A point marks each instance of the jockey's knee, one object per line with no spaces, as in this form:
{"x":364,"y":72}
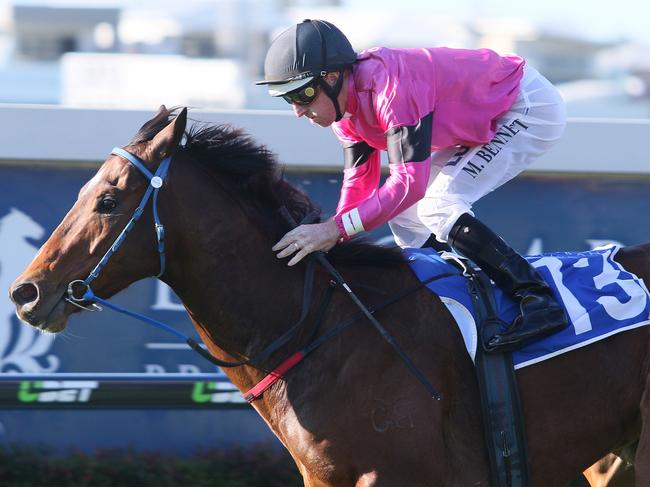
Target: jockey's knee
{"x":440,"y":215}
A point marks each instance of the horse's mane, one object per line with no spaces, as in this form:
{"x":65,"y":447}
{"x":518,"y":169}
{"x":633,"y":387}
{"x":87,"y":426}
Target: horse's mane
{"x":250,"y":171}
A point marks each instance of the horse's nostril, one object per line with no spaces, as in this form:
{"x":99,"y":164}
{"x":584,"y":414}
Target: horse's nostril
{"x":24,"y":293}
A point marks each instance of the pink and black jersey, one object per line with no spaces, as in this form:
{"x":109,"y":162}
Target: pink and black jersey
{"x":410,"y":102}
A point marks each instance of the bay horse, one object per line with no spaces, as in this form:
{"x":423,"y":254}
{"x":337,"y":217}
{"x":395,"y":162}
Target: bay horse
{"x":350,"y":414}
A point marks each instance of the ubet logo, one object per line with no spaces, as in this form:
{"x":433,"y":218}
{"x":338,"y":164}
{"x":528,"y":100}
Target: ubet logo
{"x":57,"y":391}
{"x":218,"y":392}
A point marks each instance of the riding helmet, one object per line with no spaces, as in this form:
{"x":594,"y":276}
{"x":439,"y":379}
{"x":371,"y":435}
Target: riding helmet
{"x":303,"y":52}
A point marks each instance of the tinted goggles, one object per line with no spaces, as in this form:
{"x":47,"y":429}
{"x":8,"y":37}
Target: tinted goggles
{"x":302,"y":96}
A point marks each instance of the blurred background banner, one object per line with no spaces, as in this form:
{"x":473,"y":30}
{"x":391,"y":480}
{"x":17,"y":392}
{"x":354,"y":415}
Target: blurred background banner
{"x":77,"y":78}
{"x":207,"y":53}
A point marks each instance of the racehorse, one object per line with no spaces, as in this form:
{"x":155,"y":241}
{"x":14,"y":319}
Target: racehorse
{"x":349,"y":414}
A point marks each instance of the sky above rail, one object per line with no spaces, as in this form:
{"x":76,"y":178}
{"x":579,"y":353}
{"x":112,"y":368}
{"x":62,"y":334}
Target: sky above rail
{"x":601,"y":20}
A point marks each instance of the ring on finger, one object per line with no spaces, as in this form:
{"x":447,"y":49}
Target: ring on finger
{"x":296,"y":246}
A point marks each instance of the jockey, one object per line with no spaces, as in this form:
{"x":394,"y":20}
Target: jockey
{"x":456,"y":125}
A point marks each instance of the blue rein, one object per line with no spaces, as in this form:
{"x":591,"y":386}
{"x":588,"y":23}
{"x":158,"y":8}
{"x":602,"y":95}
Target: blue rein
{"x":155,"y":183}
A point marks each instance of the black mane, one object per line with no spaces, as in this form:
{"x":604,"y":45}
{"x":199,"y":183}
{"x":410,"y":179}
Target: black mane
{"x":251,"y":171}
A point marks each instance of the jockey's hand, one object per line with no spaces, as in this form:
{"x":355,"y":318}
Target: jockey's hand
{"x":305,"y":239}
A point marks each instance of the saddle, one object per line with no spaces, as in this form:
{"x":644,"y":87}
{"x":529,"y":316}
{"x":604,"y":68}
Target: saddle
{"x":601,"y":299}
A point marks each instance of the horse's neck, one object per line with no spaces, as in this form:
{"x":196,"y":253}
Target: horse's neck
{"x":238,"y":294}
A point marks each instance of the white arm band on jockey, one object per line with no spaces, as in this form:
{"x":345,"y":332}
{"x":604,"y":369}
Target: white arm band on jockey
{"x":352,"y":222}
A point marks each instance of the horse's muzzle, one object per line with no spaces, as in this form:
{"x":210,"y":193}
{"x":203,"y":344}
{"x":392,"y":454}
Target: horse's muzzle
{"x":37,"y":310}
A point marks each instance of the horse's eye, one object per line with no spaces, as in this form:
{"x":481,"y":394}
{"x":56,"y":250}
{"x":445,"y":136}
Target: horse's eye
{"x":107,"y":204}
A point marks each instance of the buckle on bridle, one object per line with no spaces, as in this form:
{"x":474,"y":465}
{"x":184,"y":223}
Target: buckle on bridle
{"x":72,"y":299}
{"x":71,"y":290}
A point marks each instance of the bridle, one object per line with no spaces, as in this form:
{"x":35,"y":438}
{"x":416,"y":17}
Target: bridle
{"x":156,"y":181}
{"x":82,"y":287}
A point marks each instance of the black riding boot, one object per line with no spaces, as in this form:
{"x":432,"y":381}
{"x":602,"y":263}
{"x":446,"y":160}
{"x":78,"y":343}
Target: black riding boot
{"x":541,"y":314}
{"x":433,"y":243}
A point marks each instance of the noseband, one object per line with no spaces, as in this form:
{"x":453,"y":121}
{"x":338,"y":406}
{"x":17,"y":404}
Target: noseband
{"x":156,"y":180}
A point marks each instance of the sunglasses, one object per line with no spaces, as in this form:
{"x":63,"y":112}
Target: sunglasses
{"x":302,"y":96}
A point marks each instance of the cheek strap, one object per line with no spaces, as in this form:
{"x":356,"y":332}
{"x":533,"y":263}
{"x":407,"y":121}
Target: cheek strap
{"x":333,"y":92}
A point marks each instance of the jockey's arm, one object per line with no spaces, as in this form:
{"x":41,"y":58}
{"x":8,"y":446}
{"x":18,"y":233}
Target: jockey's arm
{"x":361,"y":174}
{"x":409,"y":154}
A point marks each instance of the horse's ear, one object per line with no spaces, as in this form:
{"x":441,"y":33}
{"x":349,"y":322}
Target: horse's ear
{"x":164,"y":144}
{"x":162,"y":112}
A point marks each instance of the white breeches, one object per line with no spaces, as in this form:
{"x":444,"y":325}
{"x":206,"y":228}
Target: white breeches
{"x":462,"y":175}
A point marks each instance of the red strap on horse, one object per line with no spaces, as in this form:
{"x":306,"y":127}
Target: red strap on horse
{"x":274,"y":376}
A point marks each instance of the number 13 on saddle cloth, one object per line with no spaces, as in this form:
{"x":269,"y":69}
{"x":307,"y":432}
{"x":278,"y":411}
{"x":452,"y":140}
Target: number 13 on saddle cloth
{"x":601,"y":299}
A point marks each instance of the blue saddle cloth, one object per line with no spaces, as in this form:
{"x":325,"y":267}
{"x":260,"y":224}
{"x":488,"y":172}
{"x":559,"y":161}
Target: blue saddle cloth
{"x":600,"y":297}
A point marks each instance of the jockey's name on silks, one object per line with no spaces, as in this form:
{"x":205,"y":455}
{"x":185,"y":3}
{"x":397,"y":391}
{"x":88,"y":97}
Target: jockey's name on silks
{"x":600,"y":297}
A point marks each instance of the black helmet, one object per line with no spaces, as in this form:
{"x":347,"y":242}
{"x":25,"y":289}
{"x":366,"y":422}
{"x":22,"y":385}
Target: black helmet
{"x":303,"y":52}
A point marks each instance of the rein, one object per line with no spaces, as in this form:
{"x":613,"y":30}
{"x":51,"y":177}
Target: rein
{"x":388,"y":338}
{"x":156,"y":181}
{"x":194,"y":345}
{"x":297,"y":357}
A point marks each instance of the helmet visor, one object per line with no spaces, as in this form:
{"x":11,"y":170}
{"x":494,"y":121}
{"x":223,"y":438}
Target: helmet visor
{"x":284,"y":88}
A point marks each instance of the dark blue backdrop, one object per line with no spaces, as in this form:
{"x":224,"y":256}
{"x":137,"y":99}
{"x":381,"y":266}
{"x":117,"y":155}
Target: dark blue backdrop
{"x":533,"y":213}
